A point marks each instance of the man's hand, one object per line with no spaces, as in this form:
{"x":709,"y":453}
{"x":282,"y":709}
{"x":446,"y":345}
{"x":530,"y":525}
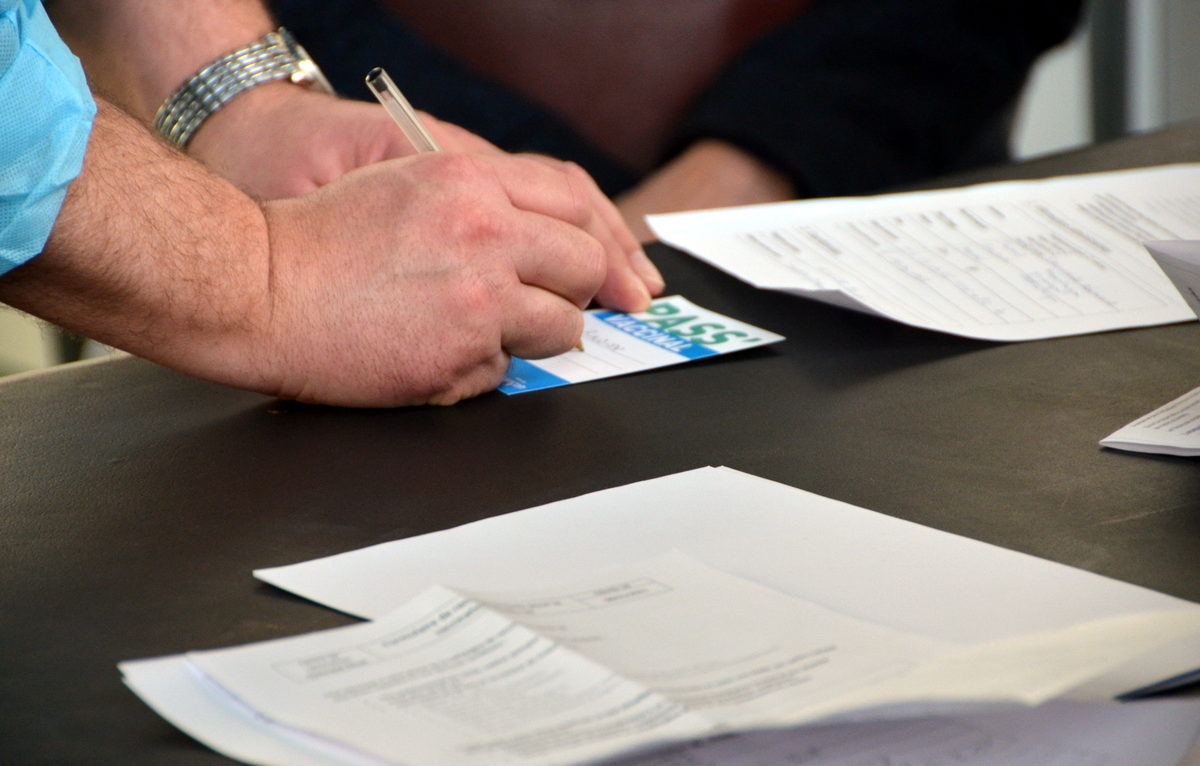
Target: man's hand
{"x":707,"y":174}
{"x":427,"y":272}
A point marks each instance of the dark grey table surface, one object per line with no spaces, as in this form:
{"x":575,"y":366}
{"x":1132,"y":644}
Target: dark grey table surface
{"x":134,"y":501}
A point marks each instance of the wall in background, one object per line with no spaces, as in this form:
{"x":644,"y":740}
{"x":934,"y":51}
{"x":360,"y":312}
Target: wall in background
{"x":1055,"y":112}
{"x":1163,"y":62}
{"x":21,"y":346}
{"x":1136,"y":67}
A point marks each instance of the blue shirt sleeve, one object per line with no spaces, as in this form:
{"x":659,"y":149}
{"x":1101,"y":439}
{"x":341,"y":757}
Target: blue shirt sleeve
{"x":45,"y":122}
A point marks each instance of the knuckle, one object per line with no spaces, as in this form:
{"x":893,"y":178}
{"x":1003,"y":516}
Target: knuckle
{"x":476,"y":227}
{"x":477,"y":305}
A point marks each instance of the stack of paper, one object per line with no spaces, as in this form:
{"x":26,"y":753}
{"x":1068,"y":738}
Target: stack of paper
{"x":1172,"y":429}
{"x":713,"y":602}
{"x":1008,"y":261}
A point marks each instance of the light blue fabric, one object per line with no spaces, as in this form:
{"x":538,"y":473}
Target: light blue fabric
{"x":46,"y":114}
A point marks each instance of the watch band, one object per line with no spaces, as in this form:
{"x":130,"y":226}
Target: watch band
{"x":273,"y":56}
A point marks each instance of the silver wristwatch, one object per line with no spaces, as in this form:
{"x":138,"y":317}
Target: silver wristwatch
{"x":273,"y":56}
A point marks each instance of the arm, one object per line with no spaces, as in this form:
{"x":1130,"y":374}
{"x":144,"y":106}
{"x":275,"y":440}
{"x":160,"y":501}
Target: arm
{"x":277,"y":140}
{"x":360,"y":293}
{"x":855,"y":96}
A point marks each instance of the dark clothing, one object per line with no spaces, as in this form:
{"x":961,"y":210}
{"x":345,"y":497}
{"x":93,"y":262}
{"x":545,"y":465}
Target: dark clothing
{"x":854,"y":96}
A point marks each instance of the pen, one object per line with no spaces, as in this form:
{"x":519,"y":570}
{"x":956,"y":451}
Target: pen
{"x":406,"y":117}
{"x":401,"y":111}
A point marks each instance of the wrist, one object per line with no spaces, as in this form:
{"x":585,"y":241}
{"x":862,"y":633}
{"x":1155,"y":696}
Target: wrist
{"x":254,"y":111}
{"x":277,"y":140}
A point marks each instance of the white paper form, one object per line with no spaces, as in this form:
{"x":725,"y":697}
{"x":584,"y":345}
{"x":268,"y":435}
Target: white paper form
{"x":627,"y":659}
{"x":859,"y":563}
{"x":673,"y":331}
{"x":1148,"y":733}
{"x":1006,"y":261}
{"x":445,"y":680}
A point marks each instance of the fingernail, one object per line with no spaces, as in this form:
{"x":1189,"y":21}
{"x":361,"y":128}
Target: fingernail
{"x":645,"y":268}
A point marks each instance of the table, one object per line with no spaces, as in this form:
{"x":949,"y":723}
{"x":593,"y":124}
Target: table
{"x":135,"y":501}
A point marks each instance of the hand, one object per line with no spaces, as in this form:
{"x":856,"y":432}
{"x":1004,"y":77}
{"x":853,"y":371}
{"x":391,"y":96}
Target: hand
{"x":708,"y":174}
{"x":277,"y":140}
{"x":411,"y":281}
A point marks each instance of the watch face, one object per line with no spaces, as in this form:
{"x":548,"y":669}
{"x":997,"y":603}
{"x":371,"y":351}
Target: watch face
{"x":307,"y":72}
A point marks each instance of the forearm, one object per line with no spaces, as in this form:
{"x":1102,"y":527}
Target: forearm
{"x":137,"y":52}
{"x":151,"y":253}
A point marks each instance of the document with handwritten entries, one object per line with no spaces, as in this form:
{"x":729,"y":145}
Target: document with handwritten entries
{"x":1008,"y":261}
{"x":629,"y":660}
{"x":673,"y":331}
